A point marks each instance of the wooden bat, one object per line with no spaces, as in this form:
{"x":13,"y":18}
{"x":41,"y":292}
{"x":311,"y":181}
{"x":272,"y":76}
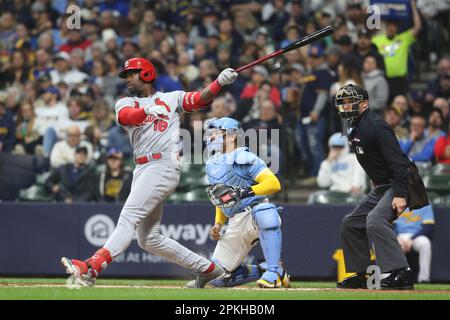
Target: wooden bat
{"x":319,"y":34}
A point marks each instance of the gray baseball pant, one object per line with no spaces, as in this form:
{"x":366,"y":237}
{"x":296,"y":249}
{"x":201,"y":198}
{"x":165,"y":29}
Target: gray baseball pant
{"x":371,"y":223}
{"x":142,"y":212}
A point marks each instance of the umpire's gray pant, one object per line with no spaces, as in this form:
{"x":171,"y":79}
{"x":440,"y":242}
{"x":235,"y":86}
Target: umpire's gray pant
{"x":371,"y":223}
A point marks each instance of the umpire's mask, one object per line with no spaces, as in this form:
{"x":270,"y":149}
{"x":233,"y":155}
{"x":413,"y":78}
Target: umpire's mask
{"x":350,"y":95}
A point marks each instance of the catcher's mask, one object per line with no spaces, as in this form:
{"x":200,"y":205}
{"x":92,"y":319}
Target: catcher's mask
{"x":216,"y":130}
{"x":350,"y":95}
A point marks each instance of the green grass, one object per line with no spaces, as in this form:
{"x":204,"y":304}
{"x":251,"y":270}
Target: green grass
{"x":27,"y":288}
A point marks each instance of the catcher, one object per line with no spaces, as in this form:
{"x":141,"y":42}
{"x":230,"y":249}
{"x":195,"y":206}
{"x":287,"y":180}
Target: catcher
{"x":239,"y":183}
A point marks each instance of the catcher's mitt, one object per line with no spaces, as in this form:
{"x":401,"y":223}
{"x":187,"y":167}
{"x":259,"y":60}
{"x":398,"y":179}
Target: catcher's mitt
{"x":223,"y":196}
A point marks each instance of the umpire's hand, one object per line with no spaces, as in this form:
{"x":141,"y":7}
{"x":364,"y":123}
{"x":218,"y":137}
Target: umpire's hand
{"x":399,"y":205}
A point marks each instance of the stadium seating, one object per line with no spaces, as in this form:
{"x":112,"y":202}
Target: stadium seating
{"x":332,"y":198}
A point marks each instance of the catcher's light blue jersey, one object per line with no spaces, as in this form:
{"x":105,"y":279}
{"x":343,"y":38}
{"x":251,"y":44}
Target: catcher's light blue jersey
{"x":238,"y":168}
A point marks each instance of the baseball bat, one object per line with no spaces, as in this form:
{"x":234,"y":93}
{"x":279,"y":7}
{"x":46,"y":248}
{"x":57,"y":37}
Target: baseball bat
{"x":319,"y":34}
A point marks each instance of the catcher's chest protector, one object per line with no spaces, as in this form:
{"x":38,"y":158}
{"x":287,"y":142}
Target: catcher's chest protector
{"x":231,"y":169}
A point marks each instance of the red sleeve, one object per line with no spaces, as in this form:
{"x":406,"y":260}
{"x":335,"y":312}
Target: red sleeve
{"x":439,"y":148}
{"x":192,"y":101}
{"x":130,"y":116}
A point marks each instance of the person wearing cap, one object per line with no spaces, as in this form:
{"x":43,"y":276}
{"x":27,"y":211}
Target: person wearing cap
{"x":439,"y":88}
{"x":355,"y":15}
{"x":314,"y":113}
{"x":394,"y":47}
{"x":63,"y":71}
{"x":74,"y":181}
{"x":340,"y":171}
{"x":114,"y":183}
{"x":393,"y":115}
{"x":364,"y":48}
{"x":397,"y":186}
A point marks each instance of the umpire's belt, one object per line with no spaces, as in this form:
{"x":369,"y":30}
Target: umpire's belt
{"x":147,"y":158}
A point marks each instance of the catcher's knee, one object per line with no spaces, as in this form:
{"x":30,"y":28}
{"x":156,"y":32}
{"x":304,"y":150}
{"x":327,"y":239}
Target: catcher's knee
{"x":266,"y":216}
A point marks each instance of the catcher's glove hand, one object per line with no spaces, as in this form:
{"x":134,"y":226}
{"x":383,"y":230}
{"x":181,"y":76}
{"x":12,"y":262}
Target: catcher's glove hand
{"x":223,"y":196}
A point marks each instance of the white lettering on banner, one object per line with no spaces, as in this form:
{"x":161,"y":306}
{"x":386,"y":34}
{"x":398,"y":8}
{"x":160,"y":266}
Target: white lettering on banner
{"x":187,"y":232}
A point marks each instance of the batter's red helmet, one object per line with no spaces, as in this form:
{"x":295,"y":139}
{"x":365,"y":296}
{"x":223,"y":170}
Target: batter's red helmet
{"x":147,"y":69}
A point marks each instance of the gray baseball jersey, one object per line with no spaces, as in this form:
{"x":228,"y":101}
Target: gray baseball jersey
{"x":154,"y":134}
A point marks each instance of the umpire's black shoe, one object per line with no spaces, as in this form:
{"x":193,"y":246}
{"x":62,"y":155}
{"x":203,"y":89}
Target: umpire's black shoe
{"x":398,"y":280}
{"x":357,"y":281}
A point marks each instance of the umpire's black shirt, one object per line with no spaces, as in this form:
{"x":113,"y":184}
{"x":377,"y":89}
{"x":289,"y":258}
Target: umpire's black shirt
{"x":378,"y":151}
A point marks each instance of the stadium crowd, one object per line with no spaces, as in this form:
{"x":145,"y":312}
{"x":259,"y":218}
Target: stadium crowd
{"x":58,"y":85}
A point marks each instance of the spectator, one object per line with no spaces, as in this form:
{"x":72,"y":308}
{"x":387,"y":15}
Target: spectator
{"x":355,"y":18}
{"x":442,"y":148}
{"x":418,"y":146}
{"x":345,"y":44}
{"x":438,"y":86}
{"x":314,"y":113}
{"x":114,"y":182}
{"x":348,"y":73}
{"x":74,"y":181}
{"x":415,"y":230}
{"x":260,"y":75}
{"x":435,"y":124}
{"x":186,"y":68}
{"x":364,"y":48}
{"x":249,"y":108}
{"x":118,"y":139}
{"x":7,"y":129}
{"x":93,"y":135}
{"x":375,"y":84}
{"x":416,"y":105}
{"x":64,"y":73}
{"x":340,"y":171}
{"x":267,"y":118}
{"x":63,"y":151}
{"x":42,"y":66}
{"x":17,"y":72}
{"x":75,"y":41}
{"x":58,"y":131}
{"x":49,"y":110}
{"x":393,"y":116}
{"x":394,"y":47}
{"x":442,"y":104}
{"x":27,"y":135}
{"x":222,"y":107}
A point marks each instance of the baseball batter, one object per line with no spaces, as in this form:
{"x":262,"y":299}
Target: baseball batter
{"x":240,"y":181}
{"x":152,"y":121}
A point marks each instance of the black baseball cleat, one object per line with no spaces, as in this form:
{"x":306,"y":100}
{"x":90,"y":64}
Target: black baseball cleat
{"x":398,"y":280}
{"x":357,"y":281}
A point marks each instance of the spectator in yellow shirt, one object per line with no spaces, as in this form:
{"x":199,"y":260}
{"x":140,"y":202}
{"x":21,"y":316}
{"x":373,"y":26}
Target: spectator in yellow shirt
{"x":394,"y":47}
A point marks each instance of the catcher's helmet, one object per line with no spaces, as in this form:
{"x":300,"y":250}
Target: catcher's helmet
{"x":224,"y":123}
{"x":147,"y":69}
{"x":350,"y":95}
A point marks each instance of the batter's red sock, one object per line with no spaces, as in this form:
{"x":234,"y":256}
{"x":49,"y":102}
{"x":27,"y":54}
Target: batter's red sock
{"x":82,"y":266}
{"x":210,"y":268}
{"x":99,"y":261}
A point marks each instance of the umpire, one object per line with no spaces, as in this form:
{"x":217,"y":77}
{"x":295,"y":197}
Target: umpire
{"x":397,"y":185}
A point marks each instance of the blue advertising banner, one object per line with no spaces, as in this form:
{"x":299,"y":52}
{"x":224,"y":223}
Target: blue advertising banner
{"x":34,"y":237}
